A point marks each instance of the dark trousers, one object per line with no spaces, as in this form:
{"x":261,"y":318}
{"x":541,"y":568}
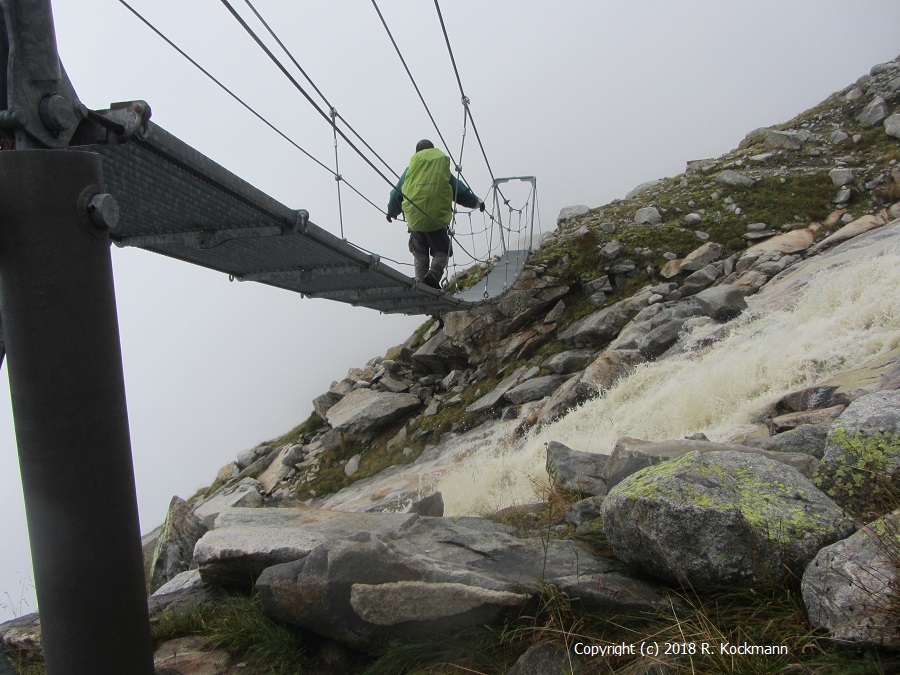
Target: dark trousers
{"x":431,"y":252}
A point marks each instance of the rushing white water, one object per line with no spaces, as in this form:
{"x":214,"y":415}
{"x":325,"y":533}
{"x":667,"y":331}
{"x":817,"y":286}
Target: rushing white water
{"x":825,"y":318}
{"x":829,"y":315}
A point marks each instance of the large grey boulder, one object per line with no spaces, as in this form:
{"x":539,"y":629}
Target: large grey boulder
{"x":181,"y":531}
{"x":440,"y":355}
{"x":570,"y":212}
{"x":245,"y":493}
{"x":703,"y":256}
{"x":615,"y":594}
{"x":862,"y":450}
{"x":722,"y":302}
{"x":495,"y":396}
{"x":892,"y":125}
{"x":324,"y":402}
{"x":535,"y":389}
{"x":807,"y":438}
{"x":280,"y":468}
{"x":702,"y":278}
{"x":599,"y":329}
{"x":186,"y":590}
{"x":364,"y":410}
{"x":576,"y":470}
{"x":247,"y":457}
{"x":850,"y":587}
{"x":642,"y":188}
{"x":664,"y":328}
{"x":720,"y":518}
{"x":630,"y":455}
{"x":649,"y":215}
{"x":781,"y":140}
{"x":246,"y":541}
{"x":435,"y":576}
{"x":735,"y":179}
{"x":22,"y":635}
{"x":569,"y":361}
{"x":874,"y":112}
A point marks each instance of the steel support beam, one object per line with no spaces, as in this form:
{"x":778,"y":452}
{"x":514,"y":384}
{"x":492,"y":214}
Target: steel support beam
{"x":68,"y":397}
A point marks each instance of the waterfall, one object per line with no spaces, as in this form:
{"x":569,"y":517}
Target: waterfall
{"x":829,"y":315}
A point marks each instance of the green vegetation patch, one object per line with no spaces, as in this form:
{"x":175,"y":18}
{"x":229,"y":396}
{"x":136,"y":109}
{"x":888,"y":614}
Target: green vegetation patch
{"x":312,"y":425}
{"x":864,"y":479}
{"x":236,"y":624}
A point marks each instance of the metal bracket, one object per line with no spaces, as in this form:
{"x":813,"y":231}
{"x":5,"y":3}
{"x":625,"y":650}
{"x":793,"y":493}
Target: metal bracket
{"x":301,"y":222}
{"x":40,"y":108}
{"x":123,"y":121}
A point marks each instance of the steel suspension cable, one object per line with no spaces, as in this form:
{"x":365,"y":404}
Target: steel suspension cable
{"x":413,"y":80}
{"x":465,"y":99}
{"x":310,"y":100}
{"x":457,"y":164}
{"x":238,"y":99}
{"x":317,"y":90}
{"x":337,"y":171}
{"x":299,"y":87}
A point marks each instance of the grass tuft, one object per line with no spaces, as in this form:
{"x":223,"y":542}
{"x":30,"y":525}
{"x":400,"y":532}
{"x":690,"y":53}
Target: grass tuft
{"x":237,"y":625}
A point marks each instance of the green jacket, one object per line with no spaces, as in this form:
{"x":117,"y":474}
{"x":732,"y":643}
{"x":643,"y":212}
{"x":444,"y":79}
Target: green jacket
{"x":426,"y":191}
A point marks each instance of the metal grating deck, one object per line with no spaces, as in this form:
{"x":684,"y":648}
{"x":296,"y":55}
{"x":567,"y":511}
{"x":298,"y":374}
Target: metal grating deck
{"x":212,"y":218}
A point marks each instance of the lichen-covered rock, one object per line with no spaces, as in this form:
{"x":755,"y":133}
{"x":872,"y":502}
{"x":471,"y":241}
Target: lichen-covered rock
{"x":720,"y":518}
{"x":175,"y":548}
{"x":850,"y":587}
{"x":862,"y":451}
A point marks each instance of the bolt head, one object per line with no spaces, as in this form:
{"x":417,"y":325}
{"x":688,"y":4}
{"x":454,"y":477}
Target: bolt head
{"x":104,"y":211}
{"x":57,"y":113}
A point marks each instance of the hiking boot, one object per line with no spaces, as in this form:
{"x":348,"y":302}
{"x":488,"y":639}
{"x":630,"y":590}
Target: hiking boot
{"x":430,"y":280}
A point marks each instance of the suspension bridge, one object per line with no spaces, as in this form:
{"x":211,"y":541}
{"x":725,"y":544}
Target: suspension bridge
{"x":74,"y":180}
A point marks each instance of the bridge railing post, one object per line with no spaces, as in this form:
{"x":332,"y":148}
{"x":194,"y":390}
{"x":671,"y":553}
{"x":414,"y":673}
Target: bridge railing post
{"x":64,"y":363}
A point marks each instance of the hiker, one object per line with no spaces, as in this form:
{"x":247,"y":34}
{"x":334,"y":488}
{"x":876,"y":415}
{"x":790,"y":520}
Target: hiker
{"x":425,"y":193}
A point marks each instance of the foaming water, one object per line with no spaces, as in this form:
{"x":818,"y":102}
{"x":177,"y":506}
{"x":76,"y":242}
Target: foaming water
{"x":801,"y":331}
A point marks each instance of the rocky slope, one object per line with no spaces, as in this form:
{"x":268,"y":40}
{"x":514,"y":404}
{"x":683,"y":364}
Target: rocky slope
{"x":339,"y":524}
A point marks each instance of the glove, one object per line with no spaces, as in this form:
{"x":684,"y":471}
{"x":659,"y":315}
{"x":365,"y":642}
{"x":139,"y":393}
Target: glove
{"x":481,"y":206}
{"x":390,"y":220}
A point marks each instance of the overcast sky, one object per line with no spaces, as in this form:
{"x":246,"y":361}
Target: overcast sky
{"x":593,"y":98}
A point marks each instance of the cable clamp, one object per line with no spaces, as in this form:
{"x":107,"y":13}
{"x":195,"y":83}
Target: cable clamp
{"x":301,"y":220}
{"x":338,"y":177}
{"x":465,"y":100}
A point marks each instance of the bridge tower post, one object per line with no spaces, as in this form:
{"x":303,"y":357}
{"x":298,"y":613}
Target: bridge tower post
{"x":64,"y":363}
